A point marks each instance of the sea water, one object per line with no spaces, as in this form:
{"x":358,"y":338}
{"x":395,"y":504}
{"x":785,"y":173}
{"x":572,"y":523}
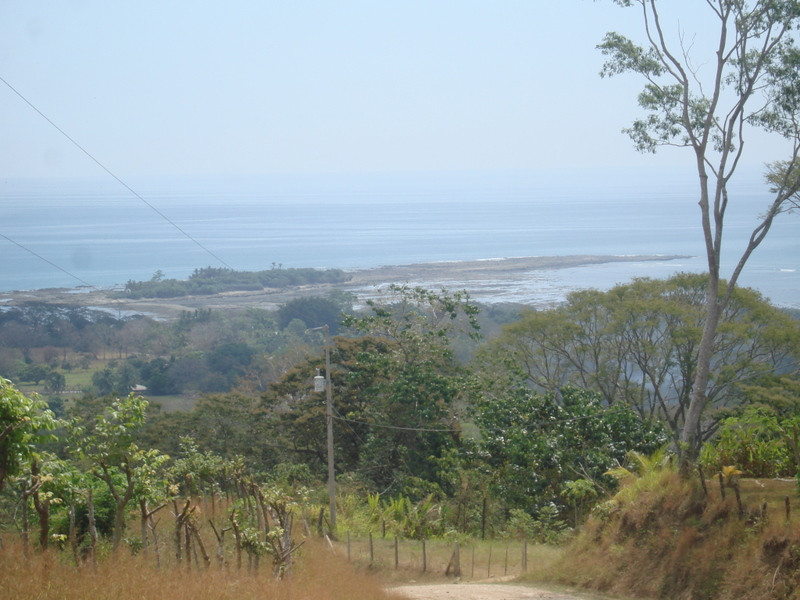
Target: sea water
{"x":101,"y":234}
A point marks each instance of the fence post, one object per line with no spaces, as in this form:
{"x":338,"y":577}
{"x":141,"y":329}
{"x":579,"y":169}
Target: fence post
{"x":348,"y":546}
{"x":505,"y":564}
{"x":524,"y":556}
{"x":396,"y":554}
{"x":483,"y":519}
{"x":457,"y":561}
{"x":424,"y":557}
{"x":489,"y":568}
{"x":371,"y":550}
{"x":788,"y":508}
{"x":472,"y":568}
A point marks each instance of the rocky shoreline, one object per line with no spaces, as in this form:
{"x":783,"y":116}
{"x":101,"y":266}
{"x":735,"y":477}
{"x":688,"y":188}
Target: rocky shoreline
{"x":468,"y":275}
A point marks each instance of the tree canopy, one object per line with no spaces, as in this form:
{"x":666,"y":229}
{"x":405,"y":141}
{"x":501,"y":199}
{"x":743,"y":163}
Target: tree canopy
{"x":637,"y":344}
{"x":710,"y":104}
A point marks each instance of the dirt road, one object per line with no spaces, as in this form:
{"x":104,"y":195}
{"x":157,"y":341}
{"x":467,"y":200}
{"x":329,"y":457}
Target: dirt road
{"x":479,"y":591}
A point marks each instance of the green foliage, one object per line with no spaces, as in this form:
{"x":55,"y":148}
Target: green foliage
{"x":751,"y":82}
{"x":412,"y":520}
{"x":757,"y":441}
{"x":395,"y":392}
{"x":637,"y":344}
{"x":535,"y":444}
{"x":316,"y":311}
{"x":108,"y":444}
{"x":23,"y":423}
{"x":210,"y":280}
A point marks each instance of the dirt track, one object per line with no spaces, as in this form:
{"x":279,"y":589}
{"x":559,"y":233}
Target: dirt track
{"x":479,"y":591}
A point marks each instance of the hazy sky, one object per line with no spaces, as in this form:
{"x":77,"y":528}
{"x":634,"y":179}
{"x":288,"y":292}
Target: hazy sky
{"x":293,"y":86}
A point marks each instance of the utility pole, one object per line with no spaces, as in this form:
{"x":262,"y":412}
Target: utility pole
{"x":329,"y":418}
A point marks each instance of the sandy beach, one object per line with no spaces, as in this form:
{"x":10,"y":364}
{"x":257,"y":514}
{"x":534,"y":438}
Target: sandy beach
{"x":468,"y":275}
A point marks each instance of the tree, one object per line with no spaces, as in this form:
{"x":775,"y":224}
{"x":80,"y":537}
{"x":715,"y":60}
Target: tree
{"x":636,"y":344}
{"x":751,"y":81}
{"x":537,"y":444}
{"x":108,"y":445}
{"x":395,"y":392}
{"x":23,"y":421}
{"x":315,"y":311}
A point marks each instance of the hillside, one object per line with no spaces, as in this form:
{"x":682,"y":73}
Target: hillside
{"x":665,"y":537}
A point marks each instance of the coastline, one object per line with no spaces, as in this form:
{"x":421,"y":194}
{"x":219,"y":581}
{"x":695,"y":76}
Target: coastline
{"x":481,"y":278}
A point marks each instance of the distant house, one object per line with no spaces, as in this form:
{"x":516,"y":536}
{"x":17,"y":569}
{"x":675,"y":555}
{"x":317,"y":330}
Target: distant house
{"x":138,"y":389}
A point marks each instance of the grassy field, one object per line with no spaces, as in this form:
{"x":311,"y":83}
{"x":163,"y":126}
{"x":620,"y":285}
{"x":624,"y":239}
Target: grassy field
{"x":318,"y":574}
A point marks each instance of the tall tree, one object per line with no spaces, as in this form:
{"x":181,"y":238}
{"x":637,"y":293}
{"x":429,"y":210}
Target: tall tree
{"x":709,"y":105}
{"x":636,"y":344}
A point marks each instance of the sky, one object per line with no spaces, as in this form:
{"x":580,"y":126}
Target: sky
{"x":187,"y":88}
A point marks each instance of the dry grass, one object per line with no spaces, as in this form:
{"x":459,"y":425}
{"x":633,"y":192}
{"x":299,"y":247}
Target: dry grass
{"x":665,"y":539}
{"x":318,"y":575}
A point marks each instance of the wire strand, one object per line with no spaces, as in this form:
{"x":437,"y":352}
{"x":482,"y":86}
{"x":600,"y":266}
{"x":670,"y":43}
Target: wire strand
{"x":113,"y":175}
{"x":50,"y":262}
{"x":397,"y":427}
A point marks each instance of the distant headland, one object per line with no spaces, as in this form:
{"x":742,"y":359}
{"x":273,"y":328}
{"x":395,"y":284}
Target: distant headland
{"x":471,"y":275}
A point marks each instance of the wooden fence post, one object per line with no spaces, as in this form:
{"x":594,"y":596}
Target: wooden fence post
{"x":424,"y":557}
{"x":483,"y":518}
{"x":788,"y":508}
{"x":455,"y":562}
{"x":738,"y":498}
{"x":371,"y":549}
{"x":348,"y":546}
{"x":396,"y":554}
{"x":524,"y":556}
{"x":472,"y":568}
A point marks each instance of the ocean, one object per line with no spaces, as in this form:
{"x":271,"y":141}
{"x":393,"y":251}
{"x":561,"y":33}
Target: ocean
{"x":73,"y":233}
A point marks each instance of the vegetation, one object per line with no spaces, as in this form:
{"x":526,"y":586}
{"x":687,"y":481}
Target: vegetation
{"x":438,"y":433}
{"x":319,"y":575}
{"x":212,"y":280}
{"x":709,"y":105}
{"x":637,"y":345}
{"x":665,"y":536}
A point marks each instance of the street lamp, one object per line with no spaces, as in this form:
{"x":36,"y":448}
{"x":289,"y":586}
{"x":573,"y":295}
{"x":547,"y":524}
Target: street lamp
{"x":321,"y":383}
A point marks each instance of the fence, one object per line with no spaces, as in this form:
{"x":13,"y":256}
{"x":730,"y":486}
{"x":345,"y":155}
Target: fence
{"x":468,"y":560}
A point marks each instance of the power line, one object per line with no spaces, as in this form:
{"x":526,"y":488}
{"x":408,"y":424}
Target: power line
{"x":397,"y":427}
{"x":107,"y":170}
{"x":50,"y":262}
{"x":540,"y":424}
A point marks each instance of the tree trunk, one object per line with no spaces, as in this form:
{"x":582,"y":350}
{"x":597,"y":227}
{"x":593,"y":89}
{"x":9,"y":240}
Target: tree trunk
{"x":73,"y":535}
{"x":92,"y":552}
{"x":119,"y":525}
{"x":43,"y":509}
{"x":24,"y":526}
{"x":690,"y":436}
